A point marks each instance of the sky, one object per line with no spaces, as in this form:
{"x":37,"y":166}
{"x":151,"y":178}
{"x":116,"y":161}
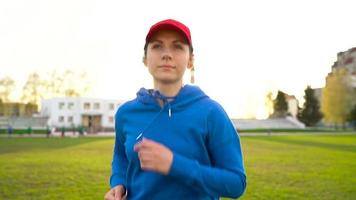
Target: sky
{"x":243,"y":49}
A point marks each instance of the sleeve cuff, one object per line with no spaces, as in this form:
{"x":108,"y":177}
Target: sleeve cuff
{"x":115,"y":181}
{"x":183,"y":169}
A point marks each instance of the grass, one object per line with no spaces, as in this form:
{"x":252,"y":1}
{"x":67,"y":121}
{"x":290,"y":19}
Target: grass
{"x":40,"y":168}
{"x":278,"y":167}
{"x":300,"y":167}
{"x":298,"y":130}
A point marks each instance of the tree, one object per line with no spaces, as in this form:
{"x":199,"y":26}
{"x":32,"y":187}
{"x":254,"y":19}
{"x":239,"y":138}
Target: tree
{"x":76,"y":84}
{"x":54,"y":84}
{"x":280,"y":106}
{"x":7,"y":85}
{"x":1,"y":108}
{"x":269,"y":103}
{"x":338,"y":97}
{"x":33,"y":89}
{"x":69,"y":84}
{"x":310,"y":113}
{"x":352,"y":117}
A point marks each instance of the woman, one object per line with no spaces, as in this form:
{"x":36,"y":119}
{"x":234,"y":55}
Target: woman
{"x":173,"y":141}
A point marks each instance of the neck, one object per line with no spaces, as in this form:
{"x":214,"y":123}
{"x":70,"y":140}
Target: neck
{"x":168,"y":90}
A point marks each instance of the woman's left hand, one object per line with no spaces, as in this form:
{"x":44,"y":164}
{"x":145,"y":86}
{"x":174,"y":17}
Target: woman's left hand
{"x":154,"y":156}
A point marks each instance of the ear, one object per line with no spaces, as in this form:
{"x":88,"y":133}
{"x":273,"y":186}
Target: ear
{"x":144,"y":60}
{"x":191,"y":61}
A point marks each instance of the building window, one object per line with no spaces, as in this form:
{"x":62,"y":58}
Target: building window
{"x":111,"y":119}
{"x":60,"y":119}
{"x":70,"y":119}
{"x":61,"y":105}
{"x":70,"y":105}
{"x":86,"y":106}
{"x":96,"y":106}
{"x":111,"y":106}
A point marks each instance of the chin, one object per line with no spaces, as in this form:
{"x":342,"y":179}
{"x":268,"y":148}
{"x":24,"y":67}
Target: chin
{"x":167,"y":80}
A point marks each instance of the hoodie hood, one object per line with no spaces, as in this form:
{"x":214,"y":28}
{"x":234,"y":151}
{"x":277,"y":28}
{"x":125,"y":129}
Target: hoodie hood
{"x":187,"y":95}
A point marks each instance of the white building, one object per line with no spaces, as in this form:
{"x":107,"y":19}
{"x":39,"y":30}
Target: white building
{"x":346,"y":59}
{"x":92,"y":114}
{"x":292,"y":105}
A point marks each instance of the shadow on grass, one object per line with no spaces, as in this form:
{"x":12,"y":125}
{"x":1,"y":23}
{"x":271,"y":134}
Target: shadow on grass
{"x":281,"y":139}
{"x":15,"y":145}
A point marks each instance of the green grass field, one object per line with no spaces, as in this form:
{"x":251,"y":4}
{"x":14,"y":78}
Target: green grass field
{"x":278,"y":167}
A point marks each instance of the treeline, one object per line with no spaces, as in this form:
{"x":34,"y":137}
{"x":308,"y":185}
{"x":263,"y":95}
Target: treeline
{"x":310,"y":114}
{"x":336,"y":107}
{"x":53,"y":84}
{"x":339,"y":98}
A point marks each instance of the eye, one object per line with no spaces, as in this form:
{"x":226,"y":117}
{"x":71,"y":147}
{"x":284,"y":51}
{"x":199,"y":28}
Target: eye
{"x":178,"y":46}
{"x":156,"y":46}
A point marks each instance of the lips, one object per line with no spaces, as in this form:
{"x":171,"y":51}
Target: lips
{"x":166,"y":66}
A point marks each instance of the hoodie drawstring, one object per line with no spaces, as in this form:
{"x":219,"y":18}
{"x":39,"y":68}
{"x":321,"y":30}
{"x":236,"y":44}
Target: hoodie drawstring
{"x":166,"y":100}
{"x":141,"y":135}
{"x":169,"y":110}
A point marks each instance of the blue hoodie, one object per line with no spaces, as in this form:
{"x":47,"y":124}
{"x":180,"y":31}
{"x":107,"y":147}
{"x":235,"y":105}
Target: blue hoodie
{"x":207,"y":158}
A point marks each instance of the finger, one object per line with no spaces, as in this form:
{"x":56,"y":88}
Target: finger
{"x":147,"y":160}
{"x":142,"y":156}
{"x":149,"y":166}
{"x":124,"y":197}
{"x":149,"y":142}
{"x":137,"y":147}
{"x":109,"y":195}
{"x":117,"y":194}
{"x":117,"y":198}
{"x":147,"y":154}
{"x":142,"y":145}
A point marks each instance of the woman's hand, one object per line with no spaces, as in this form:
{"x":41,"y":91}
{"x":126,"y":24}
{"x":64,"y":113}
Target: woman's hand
{"x":116,"y":193}
{"x":154,"y":156}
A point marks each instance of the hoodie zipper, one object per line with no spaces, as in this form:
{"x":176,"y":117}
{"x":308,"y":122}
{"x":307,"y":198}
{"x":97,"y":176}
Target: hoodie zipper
{"x":169,"y":107}
{"x":140,"y":136}
{"x":166,"y":103}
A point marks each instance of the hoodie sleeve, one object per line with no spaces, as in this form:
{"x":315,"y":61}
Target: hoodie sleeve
{"x":119,"y":161}
{"x":226,"y":177}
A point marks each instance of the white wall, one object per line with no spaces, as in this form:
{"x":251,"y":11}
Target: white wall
{"x":293,"y":107}
{"x":75,"y":107}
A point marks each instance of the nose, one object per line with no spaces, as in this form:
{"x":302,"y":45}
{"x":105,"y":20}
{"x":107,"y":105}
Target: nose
{"x":166,"y":54}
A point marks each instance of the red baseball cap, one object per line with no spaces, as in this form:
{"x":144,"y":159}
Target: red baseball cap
{"x":170,"y":24}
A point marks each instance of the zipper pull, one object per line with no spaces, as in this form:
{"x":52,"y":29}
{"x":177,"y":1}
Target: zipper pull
{"x":139,"y":137}
{"x":169,"y":112}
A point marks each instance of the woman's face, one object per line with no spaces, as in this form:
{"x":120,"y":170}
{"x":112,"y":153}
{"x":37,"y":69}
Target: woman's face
{"x":167,"y":57}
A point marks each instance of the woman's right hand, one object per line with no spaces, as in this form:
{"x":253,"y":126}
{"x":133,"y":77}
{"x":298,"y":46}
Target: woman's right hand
{"x":116,"y":193}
